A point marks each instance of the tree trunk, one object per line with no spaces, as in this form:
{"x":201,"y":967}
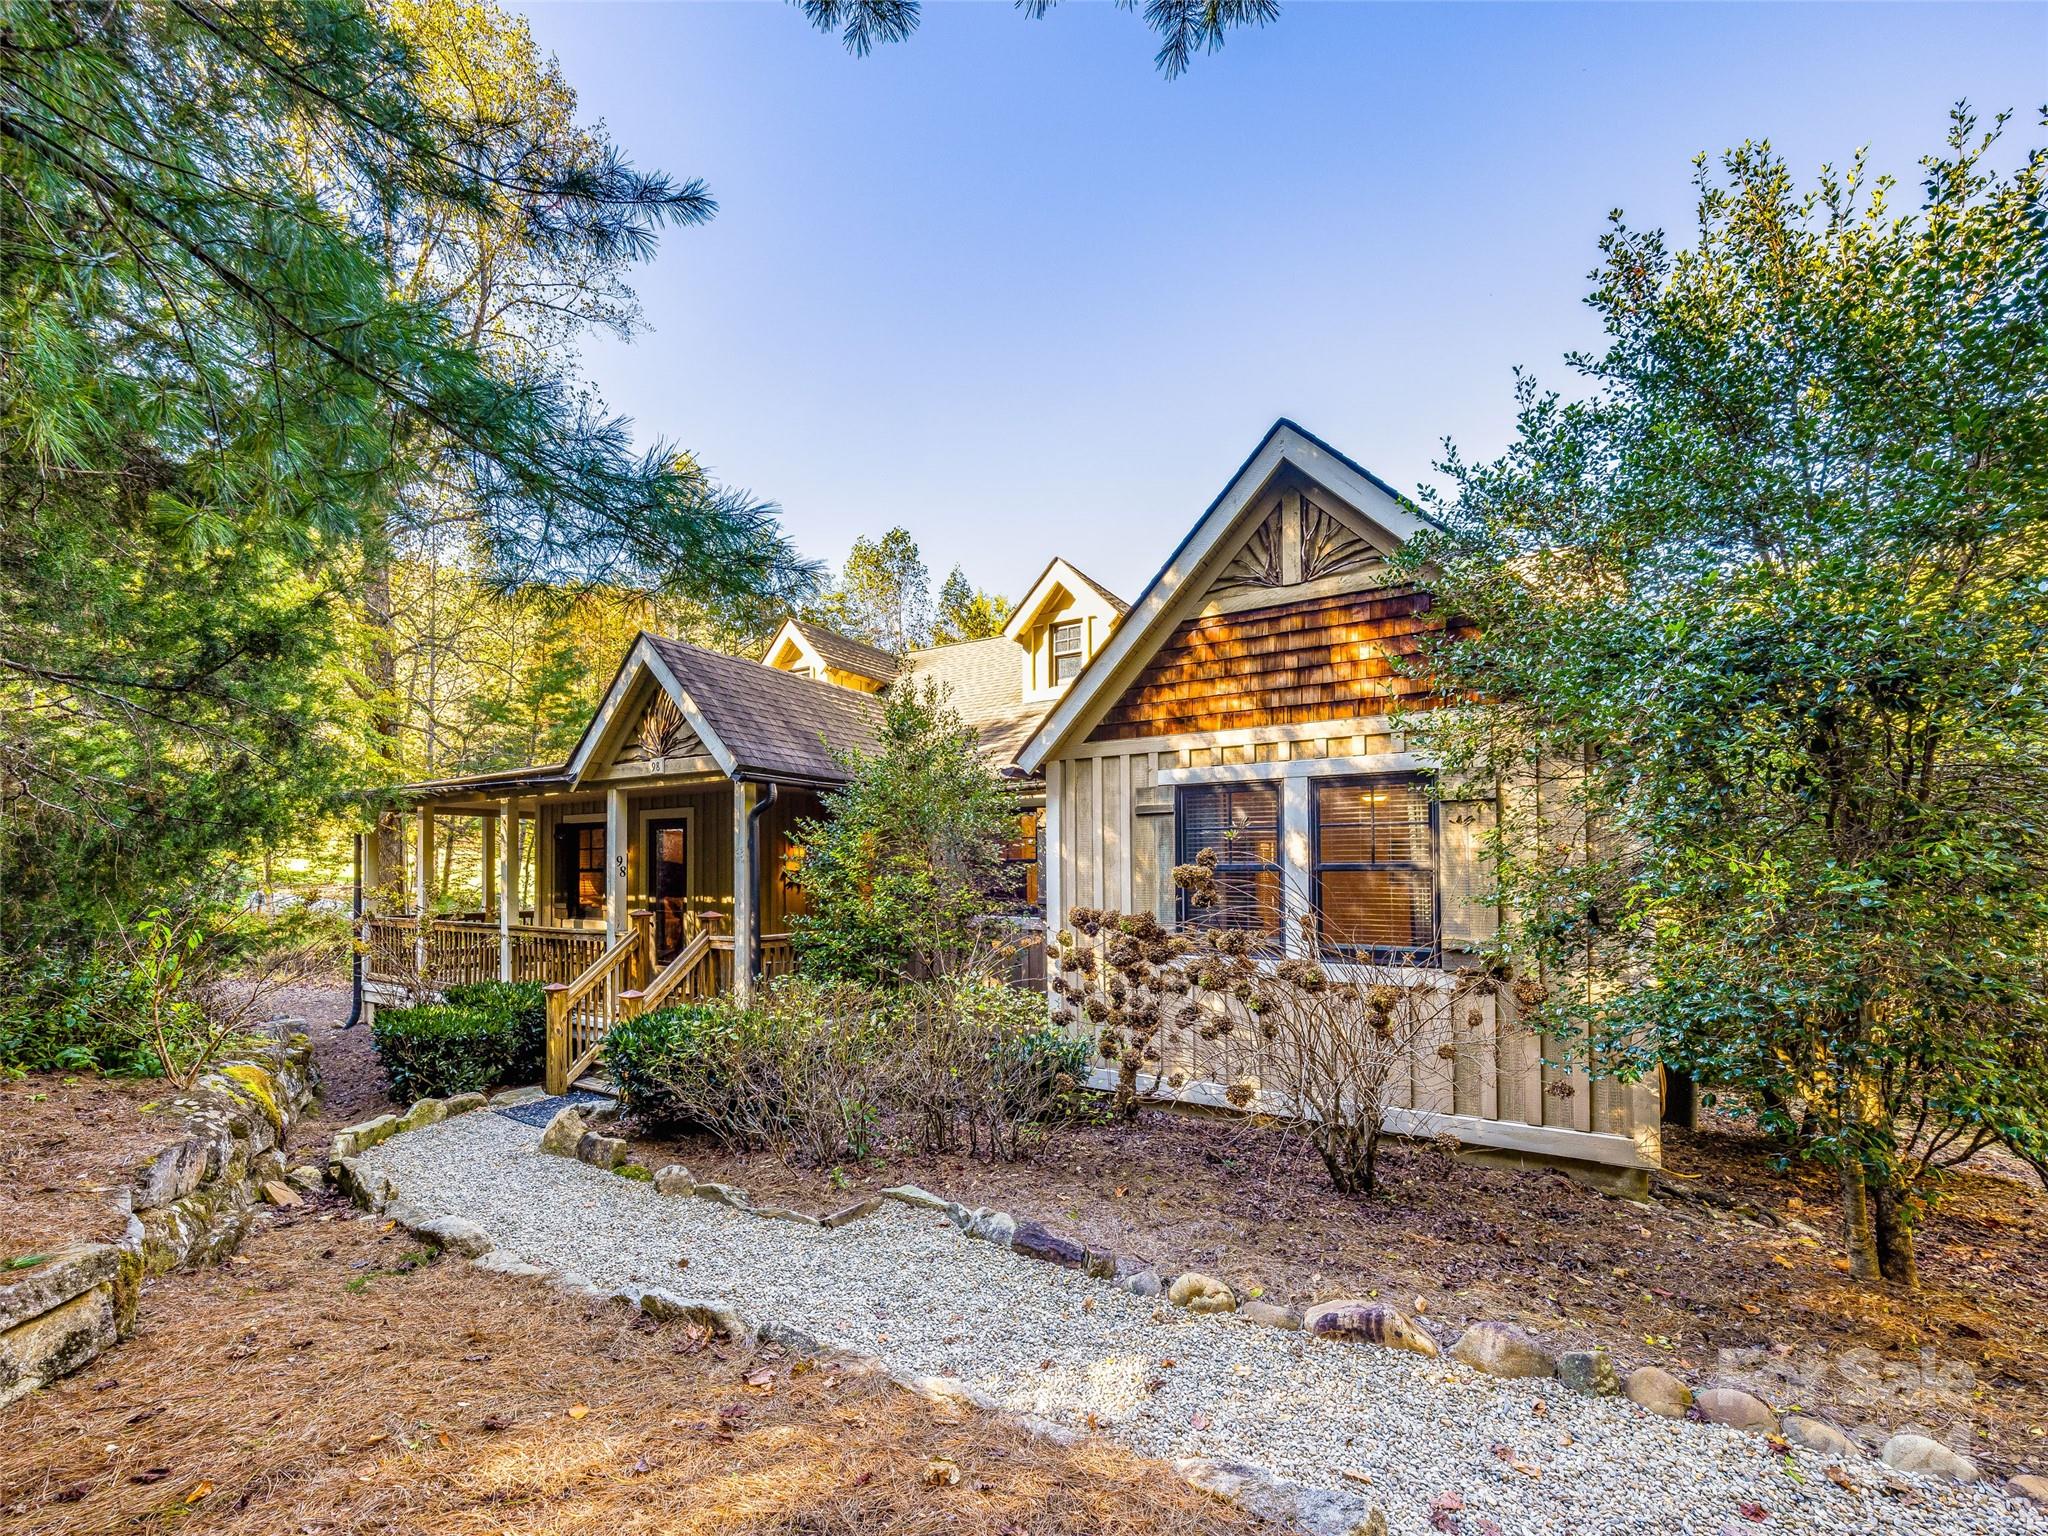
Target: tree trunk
{"x":381,"y":666}
{"x":1892,"y":1231}
{"x":1858,"y":1234}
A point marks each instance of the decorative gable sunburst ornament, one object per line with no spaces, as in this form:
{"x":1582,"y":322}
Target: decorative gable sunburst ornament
{"x":663,"y":730}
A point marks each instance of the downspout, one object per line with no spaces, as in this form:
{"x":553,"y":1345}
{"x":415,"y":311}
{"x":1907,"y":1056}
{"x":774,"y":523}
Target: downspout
{"x":355,"y":1005}
{"x":754,"y":862}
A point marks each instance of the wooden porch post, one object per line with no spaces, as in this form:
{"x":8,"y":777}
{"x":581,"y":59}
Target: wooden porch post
{"x":746,"y":888}
{"x":508,"y":883}
{"x":615,"y":839}
{"x":486,"y":850}
{"x":423,"y":888}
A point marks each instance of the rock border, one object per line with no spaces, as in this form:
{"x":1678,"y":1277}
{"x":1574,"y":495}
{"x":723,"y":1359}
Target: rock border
{"x":190,"y":1204}
{"x":1490,"y":1347}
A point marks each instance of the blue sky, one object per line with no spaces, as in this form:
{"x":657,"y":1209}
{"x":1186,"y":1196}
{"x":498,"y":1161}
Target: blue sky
{"x":1004,"y":285}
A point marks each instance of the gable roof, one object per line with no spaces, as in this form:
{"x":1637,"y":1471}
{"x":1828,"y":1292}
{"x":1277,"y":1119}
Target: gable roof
{"x":756,"y":722}
{"x":836,"y":650}
{"x":1059,"y":572}
{"x":773,"y":724}
{"x":1145,"y":625}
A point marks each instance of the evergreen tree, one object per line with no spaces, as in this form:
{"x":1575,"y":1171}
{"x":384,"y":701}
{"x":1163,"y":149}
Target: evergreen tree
{"x":968,"y":614}
{"x":210,"y":395}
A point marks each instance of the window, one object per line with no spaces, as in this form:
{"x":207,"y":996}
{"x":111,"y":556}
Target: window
{"x":1375,"y":859}
{"x":1242,"y":823}
{"x":1066,"y":651}
{"x":579,"y":869}
{"x":1017,"y":876}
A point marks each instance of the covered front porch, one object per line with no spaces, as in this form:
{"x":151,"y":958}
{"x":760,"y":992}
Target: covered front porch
{"x":658,"y":863}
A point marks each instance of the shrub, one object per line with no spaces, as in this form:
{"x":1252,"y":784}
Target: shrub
{"x":437,"y":1049}
{"x":811,"y":1070}
{"x":668,"y":1065}
{"x":522,"y":1007}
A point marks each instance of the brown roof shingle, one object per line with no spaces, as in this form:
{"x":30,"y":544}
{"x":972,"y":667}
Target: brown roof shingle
{"x":847,"y":653}
{"x":775,"y":724}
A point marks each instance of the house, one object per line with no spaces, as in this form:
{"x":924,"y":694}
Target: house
{"x":659,"y":860}
{"x":1252,"y":702}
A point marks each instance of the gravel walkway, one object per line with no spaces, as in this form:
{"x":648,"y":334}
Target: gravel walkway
{"x":1419,"y":1437}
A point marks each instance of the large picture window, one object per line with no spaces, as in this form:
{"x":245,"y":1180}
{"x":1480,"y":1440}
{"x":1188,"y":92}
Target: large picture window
{"x":579,"y":869}
{"x":1242,"y":823}
{"x":1375,"y":868}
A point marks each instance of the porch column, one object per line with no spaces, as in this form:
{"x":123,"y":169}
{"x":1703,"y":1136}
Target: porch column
{"x":486,"y":850}
{"x":1297,"y":871}
{"x":615,"y":838}
{"x":507,"y":822}
{"x":746,"y":888}
{"x":423,"y":888}
{"x":1055,"y":892}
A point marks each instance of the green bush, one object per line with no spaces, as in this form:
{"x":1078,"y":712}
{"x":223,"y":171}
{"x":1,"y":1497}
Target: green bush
{"x":435,"y":1050}
{"x":522,"y":1008}
{"x":76,"y":1014}
{"x":649,"y":1058}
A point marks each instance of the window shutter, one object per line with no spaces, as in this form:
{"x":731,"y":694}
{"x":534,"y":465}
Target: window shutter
{"x":1465,"y":876}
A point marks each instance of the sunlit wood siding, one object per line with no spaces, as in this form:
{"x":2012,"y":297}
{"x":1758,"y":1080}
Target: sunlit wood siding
{"x":1288,"y":664}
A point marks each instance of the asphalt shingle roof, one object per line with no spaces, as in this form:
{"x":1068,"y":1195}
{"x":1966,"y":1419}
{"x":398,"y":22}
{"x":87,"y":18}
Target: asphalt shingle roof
{"x":775,"y":724}
{"x":847,"y":653}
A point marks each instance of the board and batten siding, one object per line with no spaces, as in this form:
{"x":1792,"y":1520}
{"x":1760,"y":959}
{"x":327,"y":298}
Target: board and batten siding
{"x":1111,"y":844}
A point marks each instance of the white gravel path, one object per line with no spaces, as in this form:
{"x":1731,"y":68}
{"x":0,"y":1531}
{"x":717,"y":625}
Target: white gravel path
{"x":906,"y":1286}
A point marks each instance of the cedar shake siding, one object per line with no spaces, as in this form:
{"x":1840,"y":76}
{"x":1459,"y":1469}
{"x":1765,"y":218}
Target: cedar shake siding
{"x":1332,"y":658}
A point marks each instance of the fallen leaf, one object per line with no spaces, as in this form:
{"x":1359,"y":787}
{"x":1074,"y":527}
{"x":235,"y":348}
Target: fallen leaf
{"x":199,"y":1491}
{"x":444,"y":1439}
{"x":941,"y":1472}
{"x":1539,"y":1407}
{"x":1840,"y":1478}
{"x":1198,"y":1420}
{"x":1751,"y":1510}
{"x":1351,"y":1475}
{"x":579,"y":1411}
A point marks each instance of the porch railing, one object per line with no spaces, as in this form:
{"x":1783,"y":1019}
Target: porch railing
{"x":451,"y":951}
{"x":582,"y":1014}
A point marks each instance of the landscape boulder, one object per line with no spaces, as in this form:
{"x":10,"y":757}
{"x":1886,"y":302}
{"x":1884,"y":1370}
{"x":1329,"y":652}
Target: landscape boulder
{"x":1817,"y":1435}
{"x":858,"y":1211}
{"x":600,"y":1150}
{"x":1142,"y":1282}
{"x":1201,"y":1294}
{"x":1269,"y":1314}
{"x":675,"y":1179}
{"x":564,"y":1133}
{"x":2030,"y":1486}
{"x":1369,"y":1321}
{"x":723,"y":1194}
{"x":1588,"y":1372}
{"x":1502,"y":1349}
{"x":1654,"y":1388}
{"x":1035,"y":1241}
{"x":1917,"y":1453}
{"x":455,"y":1234}
{"x":1735,"y":1408}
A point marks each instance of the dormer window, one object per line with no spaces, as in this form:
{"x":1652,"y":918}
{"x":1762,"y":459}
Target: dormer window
{"x":1066,"y":652}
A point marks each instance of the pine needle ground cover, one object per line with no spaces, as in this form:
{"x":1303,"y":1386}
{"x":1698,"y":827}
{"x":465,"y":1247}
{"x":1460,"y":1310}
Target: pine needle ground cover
{"x":335,"y":1379}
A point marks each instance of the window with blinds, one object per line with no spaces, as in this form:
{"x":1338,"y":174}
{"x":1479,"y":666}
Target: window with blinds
{"x":1242,"y":823}
{"x":1374,"y":845}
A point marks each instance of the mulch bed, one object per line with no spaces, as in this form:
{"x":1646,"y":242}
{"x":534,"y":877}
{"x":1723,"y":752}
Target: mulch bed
{"x":331,"y":1379}
{"x":1731,"y":1276}
{"x":68,"y":1146}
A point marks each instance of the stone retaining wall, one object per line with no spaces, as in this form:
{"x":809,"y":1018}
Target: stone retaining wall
{"x":191,"y":1204}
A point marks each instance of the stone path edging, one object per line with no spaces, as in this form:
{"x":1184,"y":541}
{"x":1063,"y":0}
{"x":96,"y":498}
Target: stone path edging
{"x":1323,"y":1510}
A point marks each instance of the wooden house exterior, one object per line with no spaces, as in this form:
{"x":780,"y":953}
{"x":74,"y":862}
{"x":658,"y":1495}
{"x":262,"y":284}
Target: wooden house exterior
{"x":1254,"y":701}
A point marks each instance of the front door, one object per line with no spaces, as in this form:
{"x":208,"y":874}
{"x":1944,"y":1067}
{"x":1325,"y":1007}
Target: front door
{"x":668,"y":884}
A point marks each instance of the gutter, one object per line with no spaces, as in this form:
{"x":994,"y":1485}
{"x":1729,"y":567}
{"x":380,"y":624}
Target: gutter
{"x":355,"y":1005}
{"x":754,"y":863}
